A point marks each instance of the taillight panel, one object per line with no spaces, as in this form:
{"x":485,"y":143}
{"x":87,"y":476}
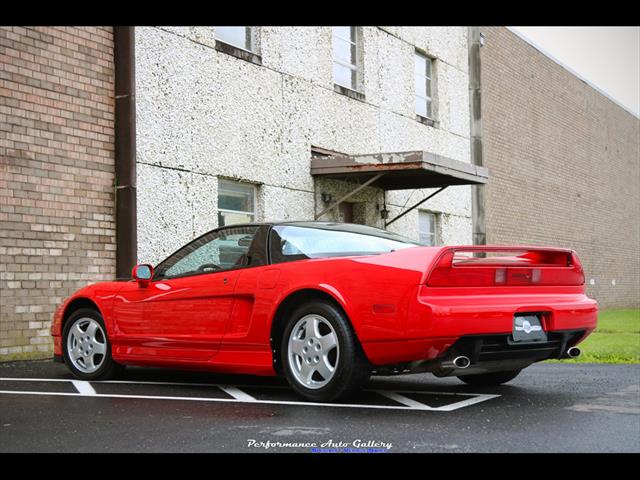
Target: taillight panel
{"x":489,"y":266}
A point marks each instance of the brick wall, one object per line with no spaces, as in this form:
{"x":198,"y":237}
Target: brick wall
{"x":564,"y":166}
{"x":57,"y":230}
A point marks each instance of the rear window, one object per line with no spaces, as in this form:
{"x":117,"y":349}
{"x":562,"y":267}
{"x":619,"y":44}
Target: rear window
{"x":289,"y":243}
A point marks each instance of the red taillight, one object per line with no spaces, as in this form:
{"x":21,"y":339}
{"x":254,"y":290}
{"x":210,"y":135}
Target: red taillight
{"x":478,"y":268}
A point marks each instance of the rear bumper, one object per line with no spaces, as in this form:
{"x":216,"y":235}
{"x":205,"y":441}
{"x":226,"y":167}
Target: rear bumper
{"x":489,"y":353}
{"x":437,"y":323}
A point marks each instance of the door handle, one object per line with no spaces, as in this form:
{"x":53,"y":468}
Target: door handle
{"x":225,"y":280}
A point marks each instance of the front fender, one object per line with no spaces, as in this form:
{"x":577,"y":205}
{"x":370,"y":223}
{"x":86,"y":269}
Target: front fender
{"x":99,"y":295}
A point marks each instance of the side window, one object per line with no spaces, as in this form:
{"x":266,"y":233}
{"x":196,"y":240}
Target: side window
{"x":218,"y":250}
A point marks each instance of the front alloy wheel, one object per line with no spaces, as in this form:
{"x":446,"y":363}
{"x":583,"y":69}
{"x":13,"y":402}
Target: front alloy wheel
{"x":86,"y":347}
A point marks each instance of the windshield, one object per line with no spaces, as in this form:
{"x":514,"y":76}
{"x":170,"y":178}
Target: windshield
{"x":290,"y":243}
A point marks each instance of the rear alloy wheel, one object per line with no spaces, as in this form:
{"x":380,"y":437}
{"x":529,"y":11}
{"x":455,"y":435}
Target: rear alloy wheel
{"x":86,"y":347}
{"x":489,"y":379}
{"x":320,"y":354}
{"x":313,"y":351}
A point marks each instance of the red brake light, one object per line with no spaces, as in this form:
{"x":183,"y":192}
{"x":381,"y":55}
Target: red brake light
{"x":486,"y":266}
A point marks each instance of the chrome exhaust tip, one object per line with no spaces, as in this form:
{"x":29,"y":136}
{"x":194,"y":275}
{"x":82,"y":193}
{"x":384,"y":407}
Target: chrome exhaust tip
{"x":455,"y":363}
{"x":573,"y":352}
{"x":461,"y":362}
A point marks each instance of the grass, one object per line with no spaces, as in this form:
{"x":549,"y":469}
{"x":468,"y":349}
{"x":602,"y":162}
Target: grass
{"x":615,"y":340}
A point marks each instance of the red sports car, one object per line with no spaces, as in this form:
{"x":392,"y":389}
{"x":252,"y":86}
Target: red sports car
{"x":327,"y":305}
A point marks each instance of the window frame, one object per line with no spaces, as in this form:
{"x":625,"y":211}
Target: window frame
{"x":254,"y":200}
{"x":249,"y":35}
{"x":436,"y":224}
{"x":354,"y":67}
{"x":257,"y":250}
{"x":352,"y":91}
{"x":428,"y":80}
{"x":252,"y":55}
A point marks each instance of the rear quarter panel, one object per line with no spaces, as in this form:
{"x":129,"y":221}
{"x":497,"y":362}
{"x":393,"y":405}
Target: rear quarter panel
{"x":376,"y":292}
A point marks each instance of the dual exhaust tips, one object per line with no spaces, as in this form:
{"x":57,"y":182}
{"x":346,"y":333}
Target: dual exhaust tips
{"x":463,"y":362}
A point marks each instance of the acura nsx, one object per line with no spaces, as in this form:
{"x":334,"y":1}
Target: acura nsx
{"x":326,"y":305}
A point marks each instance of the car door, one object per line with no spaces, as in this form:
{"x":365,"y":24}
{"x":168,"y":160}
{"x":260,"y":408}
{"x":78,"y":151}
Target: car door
{"x":189,"y":301}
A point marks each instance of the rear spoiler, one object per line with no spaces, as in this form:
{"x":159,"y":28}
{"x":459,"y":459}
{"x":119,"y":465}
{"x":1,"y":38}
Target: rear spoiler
{"x":492,"y":265}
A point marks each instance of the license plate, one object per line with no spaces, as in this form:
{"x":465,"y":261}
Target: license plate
{"x":528,"y":328}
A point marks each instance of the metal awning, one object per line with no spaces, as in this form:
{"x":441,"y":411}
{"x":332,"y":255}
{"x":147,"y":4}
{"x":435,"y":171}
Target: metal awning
{"x":397,"y":171}
{"x":400,"y":171}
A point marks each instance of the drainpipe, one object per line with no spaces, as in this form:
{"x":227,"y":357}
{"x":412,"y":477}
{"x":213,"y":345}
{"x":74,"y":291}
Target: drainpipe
{"x":125,"y":150}
{"x":475,"y":41}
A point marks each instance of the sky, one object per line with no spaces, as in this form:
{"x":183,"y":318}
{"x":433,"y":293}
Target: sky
{"x":607,"y":57}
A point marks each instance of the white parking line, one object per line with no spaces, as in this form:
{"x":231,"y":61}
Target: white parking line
{"x":237,"y":393}
{"x":465,"y":403}
{"x":136,"y":382}
{"x":18,"y":379}
{"x":396,"y":397}
{"x":85,"y":389}
{"x":232,"y":400}
{"x":414,"y":404}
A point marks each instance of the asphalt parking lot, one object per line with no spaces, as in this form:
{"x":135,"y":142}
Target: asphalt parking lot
{"x":548,"y":408}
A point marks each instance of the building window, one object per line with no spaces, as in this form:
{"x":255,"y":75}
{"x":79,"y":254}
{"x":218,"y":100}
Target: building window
{"x":428,"y":228}
{"x":345,"y":57}
{"x":423,"y":80}
{"x":236,"y":203}
{"x":241,"y":37}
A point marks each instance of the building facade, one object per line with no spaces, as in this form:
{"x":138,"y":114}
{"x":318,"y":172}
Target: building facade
{"x":564,"y":162}
{"x":228,"y":119}
{"x":227,"y":122}
{"x":57,"y":221}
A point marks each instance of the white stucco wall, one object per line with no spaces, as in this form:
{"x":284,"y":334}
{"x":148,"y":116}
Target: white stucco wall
{"x":204,"y":114}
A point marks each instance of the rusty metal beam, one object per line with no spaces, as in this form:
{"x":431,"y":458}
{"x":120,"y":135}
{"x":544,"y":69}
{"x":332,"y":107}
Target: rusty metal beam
{"x":349,"y":195}
{"x":386,"y":224}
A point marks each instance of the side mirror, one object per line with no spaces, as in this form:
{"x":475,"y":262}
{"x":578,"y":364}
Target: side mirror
{"x":142,"y":274}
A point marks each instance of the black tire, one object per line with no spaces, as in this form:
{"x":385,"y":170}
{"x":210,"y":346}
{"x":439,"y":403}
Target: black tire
{"x":490,"y":379}
{"x":108,"y":367}
{"x":351,"y":370}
